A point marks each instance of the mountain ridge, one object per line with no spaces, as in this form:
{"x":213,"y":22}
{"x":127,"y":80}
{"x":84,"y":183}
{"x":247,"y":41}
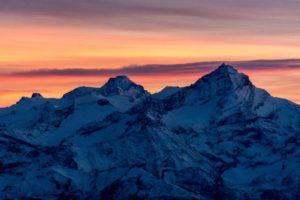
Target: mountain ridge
{"x":83,"y":89}
{"x":219,"y":138}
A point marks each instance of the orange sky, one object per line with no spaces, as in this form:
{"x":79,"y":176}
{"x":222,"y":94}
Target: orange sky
{"x":27,"y":48}
{"x":62,"y":34}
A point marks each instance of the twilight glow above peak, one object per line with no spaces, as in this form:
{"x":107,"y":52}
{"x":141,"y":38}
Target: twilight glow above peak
{"x":109,"y":34}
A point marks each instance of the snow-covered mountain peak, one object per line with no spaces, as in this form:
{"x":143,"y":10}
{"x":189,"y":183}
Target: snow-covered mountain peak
{"x":224,"y":86}
{"x":118,"y":81}
{"x":36,"y":95}
{"x":224,"y":79}
{"x":122,"y":85}
{"x":226,"y":68}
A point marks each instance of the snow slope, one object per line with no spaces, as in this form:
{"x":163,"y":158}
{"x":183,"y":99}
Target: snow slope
{"x":166,"y":92}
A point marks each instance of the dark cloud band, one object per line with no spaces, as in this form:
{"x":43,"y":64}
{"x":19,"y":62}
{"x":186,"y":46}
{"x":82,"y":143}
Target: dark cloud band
{"x":149,"y":70}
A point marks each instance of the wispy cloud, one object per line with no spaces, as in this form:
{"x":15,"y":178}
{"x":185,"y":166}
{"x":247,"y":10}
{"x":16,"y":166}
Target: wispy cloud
{"x":226,"y":16}
{"x":150,"y":70}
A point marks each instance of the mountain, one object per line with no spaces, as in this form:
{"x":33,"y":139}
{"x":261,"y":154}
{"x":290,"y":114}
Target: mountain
{"x":48,"y":121}
{"x":220,"y":138}
{"x":121,"y":85}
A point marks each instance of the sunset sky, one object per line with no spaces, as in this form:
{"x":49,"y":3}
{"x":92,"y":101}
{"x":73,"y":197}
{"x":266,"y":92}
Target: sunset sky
{"x":52,"y":46}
